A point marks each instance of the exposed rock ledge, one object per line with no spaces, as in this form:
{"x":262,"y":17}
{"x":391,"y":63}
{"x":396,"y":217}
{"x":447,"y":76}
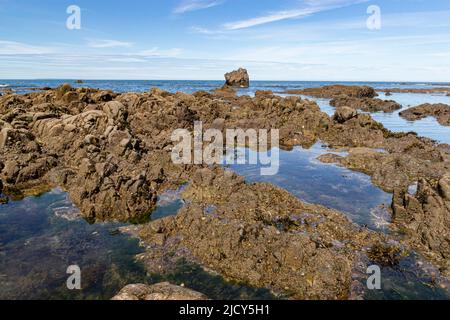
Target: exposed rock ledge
{"x":160,"y":291}
{"x":439,"y":111}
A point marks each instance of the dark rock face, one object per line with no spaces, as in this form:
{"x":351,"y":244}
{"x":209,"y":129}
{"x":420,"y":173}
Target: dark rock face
{"x":238,"y":78}
{"x":439,"y":111}
{"x":161,"y":291}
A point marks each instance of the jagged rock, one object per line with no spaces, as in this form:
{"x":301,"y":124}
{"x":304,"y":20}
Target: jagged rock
{"x":426,"y":217}
{"x":160,"y":291}
{"x":238,"y":78}
{"x":344,"y":114}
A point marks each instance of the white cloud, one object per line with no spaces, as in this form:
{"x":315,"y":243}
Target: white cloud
{"x":101,"y":43}
{"x":194,"y":5}
{"x":19,"y":48}
{"x":157,"y":52}
{"x":310,"y":7}
{"x":276,"y":16}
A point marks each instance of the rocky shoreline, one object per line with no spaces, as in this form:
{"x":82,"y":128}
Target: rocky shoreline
{"x":111,"y":153}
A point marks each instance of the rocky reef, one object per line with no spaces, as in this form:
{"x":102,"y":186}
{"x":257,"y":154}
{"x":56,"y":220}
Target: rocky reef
{"x":111,"y":152}
{"x":366,"y":104}
{"x":332,"y":91}
{"x":438,"y":90}
{"x":439,"y":111}
{"x":355,"y":97}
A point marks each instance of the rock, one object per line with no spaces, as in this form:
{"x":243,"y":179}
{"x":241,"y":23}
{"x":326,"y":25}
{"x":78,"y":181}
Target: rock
{"x":425,"y":217}
{"x":62,"y":90}
{"x":366,"y":104}
{"x":79,"y":81}
{"x":344,"y":114}
{"x":444,"y":187}
{"x":439,"y":111}
{"x":262,"y":93}
{"x":333,"y":91}
{"x":238,"y":78}
{"x":111,"y":153}
{"x":160,"y":291}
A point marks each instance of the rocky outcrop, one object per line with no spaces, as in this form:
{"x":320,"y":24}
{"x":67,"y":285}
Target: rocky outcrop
{"x":344,"y":114}
{"x":161,"y":291}
{"x":334,"y":91}
{"x":425,"y":216}
{"x":366,"y":104}
{"x":237,"y":78}
{"x":439,"y":90}
{"x":261,"y":235}
{"x":439,"y":111}
{"x":111,"y":152}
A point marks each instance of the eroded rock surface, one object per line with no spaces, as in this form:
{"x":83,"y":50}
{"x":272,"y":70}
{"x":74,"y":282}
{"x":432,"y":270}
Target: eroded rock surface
{"x":425,"y":216}
{"x":161,"y":291}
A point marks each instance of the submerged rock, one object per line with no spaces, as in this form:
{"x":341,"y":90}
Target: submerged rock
{"x":238,"y":78}
{"x":160,"y":291}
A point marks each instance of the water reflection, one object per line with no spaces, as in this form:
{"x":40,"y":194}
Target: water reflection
{"x":329,"y":185}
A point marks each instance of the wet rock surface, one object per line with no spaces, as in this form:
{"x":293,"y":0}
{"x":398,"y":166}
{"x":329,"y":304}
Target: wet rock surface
{"x":273,"y":241}
{"x":111,"y":152}
{"x":159,"y":291}
{"x":439,"y":111}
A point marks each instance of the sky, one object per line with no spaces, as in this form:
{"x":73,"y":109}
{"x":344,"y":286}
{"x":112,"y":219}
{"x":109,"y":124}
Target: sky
{"x":309,"y":40}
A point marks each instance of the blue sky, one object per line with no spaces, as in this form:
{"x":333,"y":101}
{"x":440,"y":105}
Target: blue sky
{"x":202,"y":39}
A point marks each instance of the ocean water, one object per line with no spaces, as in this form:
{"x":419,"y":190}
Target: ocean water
{"x":190,"y":86}
{"x":353,"y":194}
{"x":428,"y":127}
{"x":329,"y":185}
{"x":40,"y":237}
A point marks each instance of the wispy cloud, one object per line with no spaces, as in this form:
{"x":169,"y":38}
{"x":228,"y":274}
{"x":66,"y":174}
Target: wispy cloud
{"x":19,"y":48}
{"x":101,"y":43}
{"x":310,"y":7}
{"x":163,"y":53}
{"x":194,"y":5}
